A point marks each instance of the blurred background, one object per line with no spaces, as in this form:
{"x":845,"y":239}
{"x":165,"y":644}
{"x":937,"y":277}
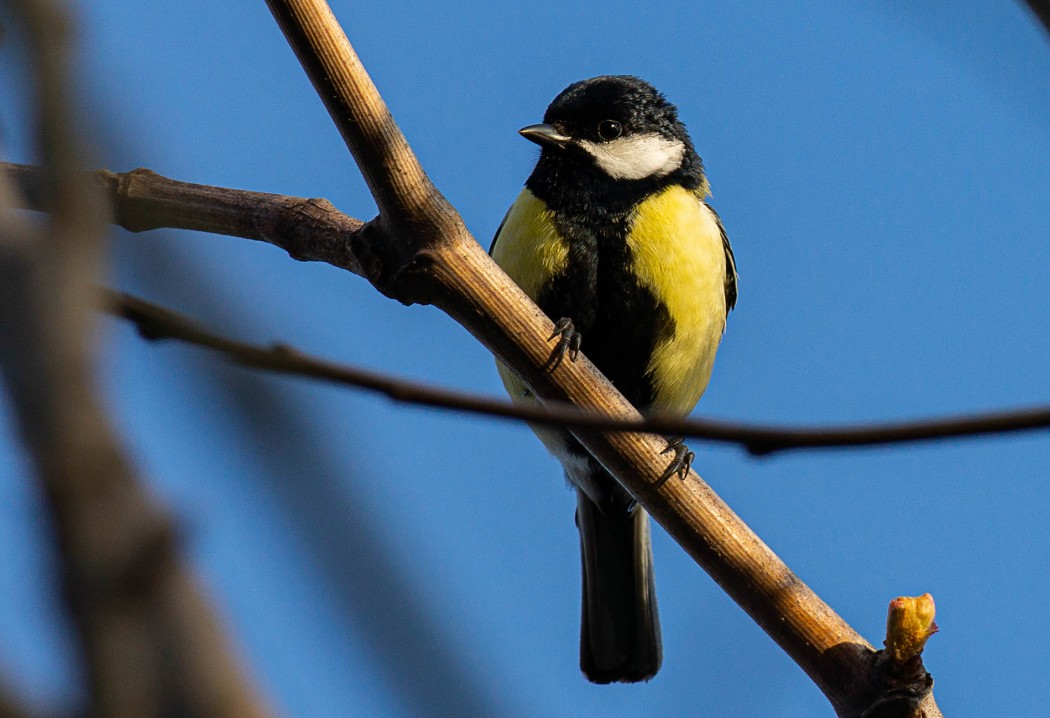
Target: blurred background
{"x":883,"y":171}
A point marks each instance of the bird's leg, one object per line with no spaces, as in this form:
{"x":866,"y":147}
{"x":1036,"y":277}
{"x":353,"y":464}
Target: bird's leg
{"x":680,"y":464}
{"x":569,"y":341}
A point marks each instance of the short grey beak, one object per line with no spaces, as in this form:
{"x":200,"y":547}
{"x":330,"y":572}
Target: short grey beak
{"x":545,"y":136}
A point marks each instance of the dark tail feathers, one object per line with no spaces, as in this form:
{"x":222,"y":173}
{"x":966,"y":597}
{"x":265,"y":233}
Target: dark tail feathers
{"x":620,"y":632}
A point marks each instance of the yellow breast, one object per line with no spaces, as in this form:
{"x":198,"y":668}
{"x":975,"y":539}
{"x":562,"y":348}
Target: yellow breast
{"x":677,"y":252}
{"x":676,"y":244}
{"x":529,"y":247}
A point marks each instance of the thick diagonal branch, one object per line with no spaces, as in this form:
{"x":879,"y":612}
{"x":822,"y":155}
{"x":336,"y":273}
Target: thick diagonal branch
{"x":450,"y":270}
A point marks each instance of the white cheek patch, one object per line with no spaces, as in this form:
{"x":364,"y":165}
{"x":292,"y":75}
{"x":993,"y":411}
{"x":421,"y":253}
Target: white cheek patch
{"x":637,"y":156}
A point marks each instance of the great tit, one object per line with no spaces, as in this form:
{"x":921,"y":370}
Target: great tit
{"x":613,"y":239}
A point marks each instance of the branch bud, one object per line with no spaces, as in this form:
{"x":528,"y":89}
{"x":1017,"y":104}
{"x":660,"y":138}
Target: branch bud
{"x":909,"y":625}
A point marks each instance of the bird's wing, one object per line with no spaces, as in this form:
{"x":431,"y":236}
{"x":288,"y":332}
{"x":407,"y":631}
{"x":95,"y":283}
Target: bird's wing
{"x":731,"y":278}
{"x":500,"y":229}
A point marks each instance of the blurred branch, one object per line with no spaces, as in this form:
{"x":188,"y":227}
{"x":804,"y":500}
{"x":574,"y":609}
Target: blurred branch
{"x":9,"y":706}
{"x":155,"y":323}
{"x":149,"y":640}
{"x":1041,"y":9}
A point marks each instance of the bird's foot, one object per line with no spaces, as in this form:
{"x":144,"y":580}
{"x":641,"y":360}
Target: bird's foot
{"x":569,"y":341}
{"x":680,"y":464}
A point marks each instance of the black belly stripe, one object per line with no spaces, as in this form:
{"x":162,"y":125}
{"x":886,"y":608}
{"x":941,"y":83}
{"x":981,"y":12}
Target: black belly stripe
{"x":621,"y":321}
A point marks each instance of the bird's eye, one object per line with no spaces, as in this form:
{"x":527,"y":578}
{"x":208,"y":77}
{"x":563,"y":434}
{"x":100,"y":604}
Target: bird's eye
{"x":609,"y":129}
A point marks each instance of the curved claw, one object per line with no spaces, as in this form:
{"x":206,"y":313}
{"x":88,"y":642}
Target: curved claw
{"x":569,"y":341}
{"x":680,"y":464}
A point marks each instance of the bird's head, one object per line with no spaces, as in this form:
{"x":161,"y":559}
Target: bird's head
{"x":618,"y":124}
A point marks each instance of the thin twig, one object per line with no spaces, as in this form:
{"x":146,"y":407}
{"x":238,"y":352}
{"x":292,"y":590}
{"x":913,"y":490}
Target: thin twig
{"x":313,"y":229}
{"x":155,"y":322}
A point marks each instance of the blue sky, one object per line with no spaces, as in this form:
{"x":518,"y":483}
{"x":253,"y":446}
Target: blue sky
{"x":883,"y":171}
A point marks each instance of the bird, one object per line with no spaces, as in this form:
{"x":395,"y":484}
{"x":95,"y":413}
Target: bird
{"x":613,"y":238}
